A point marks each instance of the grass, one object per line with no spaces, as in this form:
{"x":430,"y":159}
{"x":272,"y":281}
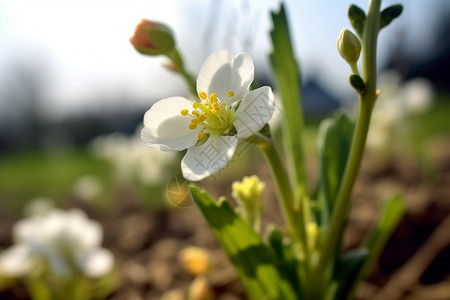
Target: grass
{"x":37,"y":174}
{"x":436,"y":121}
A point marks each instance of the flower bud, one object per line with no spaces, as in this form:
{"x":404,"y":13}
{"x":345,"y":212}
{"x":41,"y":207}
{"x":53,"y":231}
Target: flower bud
{"x":248,"y":191}
{"x":248,"y":195}
{"x":152,"y":38}
{"x":349,"y":46}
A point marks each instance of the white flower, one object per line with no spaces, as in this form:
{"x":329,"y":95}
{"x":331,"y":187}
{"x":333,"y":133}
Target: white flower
{"x":418,"y":95}
{"x":16,"y":261}
{"x":132,"y":160}
{"x":95,"y":263}
{"x":39,"y":206}
{"x":395,"y":106}
{"x":87,"y":187}
{"x":62,"y":240}
{"x":210,"y":127}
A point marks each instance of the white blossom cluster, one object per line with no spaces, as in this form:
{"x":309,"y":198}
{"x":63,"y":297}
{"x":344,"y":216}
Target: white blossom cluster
{"x":60,"y":242}
{"x":132,"y":160}
{"x":397,"y":103}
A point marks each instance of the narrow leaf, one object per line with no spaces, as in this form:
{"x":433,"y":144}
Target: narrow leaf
{"x":390,"y":216}
{"x":389,"y":14}
{"x":347,"y":271}
{"x":333,"y":145}
{"x":286,"y":257}
{"x":287,"y":77}
{"x":357,"y":18}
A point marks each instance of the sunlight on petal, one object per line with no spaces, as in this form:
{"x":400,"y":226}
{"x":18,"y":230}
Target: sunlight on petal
{"x":96,"y":263}
{"x":254,"y":112}
{"x":165,"y":127}
{"x":16,"y":261}
{"x":222,"y":73}
{"x":214,"y":155}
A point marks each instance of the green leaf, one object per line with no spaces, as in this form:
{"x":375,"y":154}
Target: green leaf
{"x":357,"y":18}
{"x":357,"y":83}
{"x":275,"y":238}
{"x":389,"y":14}
{"x":287,"y":77}
{"x":254,"y":262}
{"x":39,"y":289}
{"x":284,"y":251}
{"x":391,"y":213}
{"x":333,"y":145}
{"x":347,"y":271}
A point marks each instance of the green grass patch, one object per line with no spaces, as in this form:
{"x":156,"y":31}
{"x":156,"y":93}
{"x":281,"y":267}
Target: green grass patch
{"x":27,"y":175}
{"x":436,"y":121}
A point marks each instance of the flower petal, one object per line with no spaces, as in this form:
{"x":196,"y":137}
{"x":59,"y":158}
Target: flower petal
{"x":96,"y":263}
{"x":165,"y":127}
{"x":202,"y":161}
{"x":254,"y":112}
{"x":222,"y":73}
{"x":16,"y":261}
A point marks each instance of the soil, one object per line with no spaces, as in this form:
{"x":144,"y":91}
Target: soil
{"x":415,"y":263}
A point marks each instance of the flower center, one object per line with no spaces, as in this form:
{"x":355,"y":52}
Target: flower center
{"x":215,"y":116}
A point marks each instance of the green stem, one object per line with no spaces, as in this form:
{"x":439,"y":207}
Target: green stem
{"x":177,"y":60}
{"x":292,"y":214}
{"x":354,"y":68}
{"x":366,"y":101}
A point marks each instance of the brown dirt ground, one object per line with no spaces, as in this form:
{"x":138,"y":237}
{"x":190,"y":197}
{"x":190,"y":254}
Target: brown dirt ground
{"x":414,"y":265}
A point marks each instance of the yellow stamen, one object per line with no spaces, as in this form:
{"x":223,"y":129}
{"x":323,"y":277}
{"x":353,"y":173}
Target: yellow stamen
{"x":230,"y":94}
{"x":184,"y":112}
{"x":195,"y":105}
{"x":202,"y":95}
{"x":203,"y":117}
{"x":215,"y":108}
{"x":193,"y":125}
{"x":213,"y":97}
{"x":196,"y":113}
{"x":201,"y":135}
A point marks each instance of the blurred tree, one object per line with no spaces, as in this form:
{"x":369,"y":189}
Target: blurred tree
{"x":22,"y":98}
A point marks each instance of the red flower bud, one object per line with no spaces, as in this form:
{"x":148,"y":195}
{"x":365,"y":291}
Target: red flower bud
{"x":152,"y":38}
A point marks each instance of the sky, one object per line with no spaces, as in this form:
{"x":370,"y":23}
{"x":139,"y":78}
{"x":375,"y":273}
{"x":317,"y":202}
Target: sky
{"x":80,"y":50}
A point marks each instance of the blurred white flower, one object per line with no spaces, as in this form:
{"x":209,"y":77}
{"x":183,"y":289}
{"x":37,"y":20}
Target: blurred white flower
{"x":395,"y":106}
{"x":418,"y":95}
{"x":87,"y":187}
{"x":39,"y":206}
{"x":132,"y":160}
{"x":16,"y":261}
{"x":95,"y":263}
{"x":62,"y":240}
